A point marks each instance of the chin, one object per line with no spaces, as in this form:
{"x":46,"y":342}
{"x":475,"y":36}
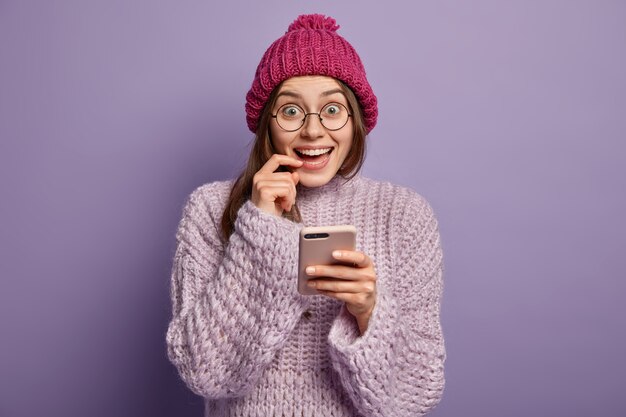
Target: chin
{"x":312,"y":180}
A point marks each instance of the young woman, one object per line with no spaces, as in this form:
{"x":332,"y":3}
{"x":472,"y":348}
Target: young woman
{"x":241,"y":335}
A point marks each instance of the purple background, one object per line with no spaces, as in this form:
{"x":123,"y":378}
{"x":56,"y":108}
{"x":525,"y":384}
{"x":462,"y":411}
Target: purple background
{"x":509,"y":117}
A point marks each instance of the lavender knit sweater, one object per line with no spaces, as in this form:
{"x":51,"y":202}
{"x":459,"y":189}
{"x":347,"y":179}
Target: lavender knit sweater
{"x":242,"y":336}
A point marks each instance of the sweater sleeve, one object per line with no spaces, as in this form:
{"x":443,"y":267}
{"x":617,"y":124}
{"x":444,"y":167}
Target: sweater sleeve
{"x":396,"y":367}
{"x":234,"y":305}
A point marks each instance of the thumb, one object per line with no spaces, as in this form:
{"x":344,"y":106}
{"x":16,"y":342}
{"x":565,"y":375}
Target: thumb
{"x":296,"y":178}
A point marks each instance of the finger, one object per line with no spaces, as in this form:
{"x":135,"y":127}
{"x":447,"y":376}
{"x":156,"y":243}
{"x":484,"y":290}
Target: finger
{"x":357,"y":258}
{"x":274,"y":176}
{"x":290,"y":198}
{"x":277,"y":181}
{"x":351,"y":287}
{"x":277,"y":160}
{"x":341,"y":272}
{"x":277,"y":178}
{"x":276,"y":192}
{"x":295,"y":177}
{"x":287,"y":190}
{"x":276,"y":189}
{"x":347,"y":297}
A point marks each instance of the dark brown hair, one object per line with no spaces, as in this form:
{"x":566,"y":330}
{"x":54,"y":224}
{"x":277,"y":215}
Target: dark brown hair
{"x":263,"y":149}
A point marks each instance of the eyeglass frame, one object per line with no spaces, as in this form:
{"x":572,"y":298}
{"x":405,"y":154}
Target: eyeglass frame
{"x":319,"y":115}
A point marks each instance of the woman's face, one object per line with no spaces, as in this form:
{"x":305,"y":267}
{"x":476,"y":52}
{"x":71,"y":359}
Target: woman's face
{"x":326,"y":149}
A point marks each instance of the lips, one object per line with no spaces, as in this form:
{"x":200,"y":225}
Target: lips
{"x":314,"y":157}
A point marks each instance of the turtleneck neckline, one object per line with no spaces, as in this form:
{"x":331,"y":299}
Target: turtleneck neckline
{"x":336,"y":184}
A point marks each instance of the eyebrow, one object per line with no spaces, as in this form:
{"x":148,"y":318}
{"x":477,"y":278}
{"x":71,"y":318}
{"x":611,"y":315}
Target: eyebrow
{"x":296,"y":95}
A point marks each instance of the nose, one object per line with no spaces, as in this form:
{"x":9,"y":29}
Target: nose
{"x":312,"y":126}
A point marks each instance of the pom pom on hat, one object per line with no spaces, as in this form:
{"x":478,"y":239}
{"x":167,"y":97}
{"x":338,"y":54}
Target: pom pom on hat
{"x":311,"y":46}
{"x":314,"y":21}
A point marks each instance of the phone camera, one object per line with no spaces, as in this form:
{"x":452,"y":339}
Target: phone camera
{"x":316,"y":235}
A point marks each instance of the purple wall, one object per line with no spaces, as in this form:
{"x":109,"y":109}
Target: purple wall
{"x":510,"y":117}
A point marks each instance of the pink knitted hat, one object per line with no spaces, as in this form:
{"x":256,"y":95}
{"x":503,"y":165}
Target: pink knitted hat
{"x":311,"y":46}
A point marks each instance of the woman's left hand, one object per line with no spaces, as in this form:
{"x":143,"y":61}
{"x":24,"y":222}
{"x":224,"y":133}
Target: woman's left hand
{"x":353,"y":283}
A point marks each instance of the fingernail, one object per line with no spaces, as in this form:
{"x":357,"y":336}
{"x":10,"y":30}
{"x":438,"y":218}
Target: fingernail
{"x":310,"y":270}
{"x":337,"y":254}
{"x":311,"y":284}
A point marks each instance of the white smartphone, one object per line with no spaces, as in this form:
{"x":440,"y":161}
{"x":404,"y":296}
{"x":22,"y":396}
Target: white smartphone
{"x":316,"y":248}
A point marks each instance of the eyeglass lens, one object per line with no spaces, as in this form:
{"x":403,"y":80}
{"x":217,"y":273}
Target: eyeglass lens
{"x":333,"y":116}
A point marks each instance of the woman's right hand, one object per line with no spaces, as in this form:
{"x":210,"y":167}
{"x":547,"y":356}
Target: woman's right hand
{"x":275,"y":192}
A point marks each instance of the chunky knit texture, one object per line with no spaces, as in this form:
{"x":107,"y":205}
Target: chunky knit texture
{"x":243,"y":337}
{"x":311,"y":46}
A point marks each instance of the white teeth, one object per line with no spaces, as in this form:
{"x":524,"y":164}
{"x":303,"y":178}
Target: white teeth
{"x":314,"y":152}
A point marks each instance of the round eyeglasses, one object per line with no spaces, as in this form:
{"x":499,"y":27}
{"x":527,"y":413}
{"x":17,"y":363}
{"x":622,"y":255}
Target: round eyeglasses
{"x":291,"y":117}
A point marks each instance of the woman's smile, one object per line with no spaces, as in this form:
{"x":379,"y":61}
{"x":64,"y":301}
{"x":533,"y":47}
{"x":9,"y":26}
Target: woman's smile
{"x":314,"y":157}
